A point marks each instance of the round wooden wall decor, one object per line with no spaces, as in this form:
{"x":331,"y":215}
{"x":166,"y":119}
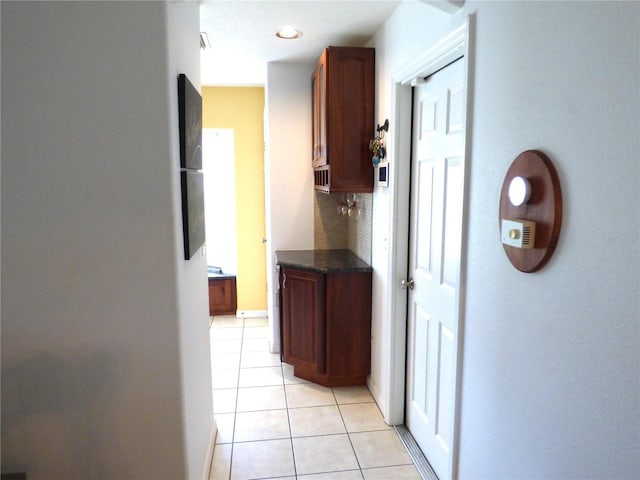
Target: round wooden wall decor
{"x":543,"y":206}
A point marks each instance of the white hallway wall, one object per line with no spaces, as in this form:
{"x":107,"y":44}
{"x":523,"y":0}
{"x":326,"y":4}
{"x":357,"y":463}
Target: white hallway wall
{"x":190,"y":280}
{"x":288,"y":177}
{"x":550,"y":384}
{"x":105,"y":358}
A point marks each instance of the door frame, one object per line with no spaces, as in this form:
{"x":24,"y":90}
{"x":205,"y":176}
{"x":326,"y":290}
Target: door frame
{"x":457,"y":43}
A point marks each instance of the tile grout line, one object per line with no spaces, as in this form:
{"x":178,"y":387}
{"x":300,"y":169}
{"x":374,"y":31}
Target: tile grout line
{"x":235,"y":409}
{"x":286,"y":404}
{"x":347,"y":431}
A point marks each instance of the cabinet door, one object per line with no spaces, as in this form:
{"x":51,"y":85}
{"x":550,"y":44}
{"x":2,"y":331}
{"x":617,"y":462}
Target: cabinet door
{"x":303,"y":318}
{"x":348,"y":318}
{"x":222,"y":296}
{"x":350,"y":97}
{"x":319,"y":112}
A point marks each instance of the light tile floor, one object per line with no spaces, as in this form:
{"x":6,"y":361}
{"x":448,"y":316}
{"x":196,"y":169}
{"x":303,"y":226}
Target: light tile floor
{"x":276,"y":426}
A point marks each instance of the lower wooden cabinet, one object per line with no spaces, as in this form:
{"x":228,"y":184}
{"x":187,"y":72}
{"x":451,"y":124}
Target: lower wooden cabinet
{"x":326,"y":325}
{"x":222,"y":295}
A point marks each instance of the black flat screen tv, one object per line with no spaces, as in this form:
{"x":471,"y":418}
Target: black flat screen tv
{"x":192,"y":211}
{"x":191,"y":178}
{"x":190,"y":115}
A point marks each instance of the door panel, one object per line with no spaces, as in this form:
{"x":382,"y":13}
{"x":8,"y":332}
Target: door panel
{"x":419,"y":393}
{"x":303,"y":316}
{"x":425,"y":227}
{"x":444,"y":424}
{"x":434,"y":263}
{"x":452,"y":224}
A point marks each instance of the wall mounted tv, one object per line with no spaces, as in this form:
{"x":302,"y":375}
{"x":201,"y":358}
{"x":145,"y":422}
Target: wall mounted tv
{"x":192,"y":211}
{"x":190,"y":112}
{"x":191,"y":178}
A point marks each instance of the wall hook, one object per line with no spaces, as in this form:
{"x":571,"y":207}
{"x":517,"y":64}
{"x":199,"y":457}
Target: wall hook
{"x":377,"y":144}
{"x":383,"y":128}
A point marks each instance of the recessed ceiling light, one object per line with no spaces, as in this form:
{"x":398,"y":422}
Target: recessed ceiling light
{"x":288,"y":33}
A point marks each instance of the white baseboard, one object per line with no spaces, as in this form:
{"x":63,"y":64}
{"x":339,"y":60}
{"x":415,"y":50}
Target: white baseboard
{"x":374,"y":388}
{"x":208,"y":461}
{"x":251,"y":314}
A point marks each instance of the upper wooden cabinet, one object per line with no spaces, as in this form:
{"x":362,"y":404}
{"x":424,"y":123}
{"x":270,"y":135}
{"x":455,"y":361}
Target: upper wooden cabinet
{"x":342,"y":89}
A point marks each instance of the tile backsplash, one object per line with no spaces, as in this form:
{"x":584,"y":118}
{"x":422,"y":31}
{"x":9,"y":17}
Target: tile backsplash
{"x":335,"y":231}
{"x":360,"y":228}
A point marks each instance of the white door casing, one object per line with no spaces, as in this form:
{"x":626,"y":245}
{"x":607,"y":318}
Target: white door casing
{"x":458,"y":42}
{"x":437,"y":181}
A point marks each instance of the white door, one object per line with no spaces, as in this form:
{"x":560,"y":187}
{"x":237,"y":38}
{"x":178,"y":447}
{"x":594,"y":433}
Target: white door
{"x":437,"y":193}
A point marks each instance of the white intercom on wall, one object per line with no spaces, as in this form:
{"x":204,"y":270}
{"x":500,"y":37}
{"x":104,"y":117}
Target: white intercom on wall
{"x":530,"y":211}
{"x":518,"y":233}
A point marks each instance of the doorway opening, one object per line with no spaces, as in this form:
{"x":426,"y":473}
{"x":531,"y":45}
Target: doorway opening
{"x":219,"y":189}
{"x":233,"y":126}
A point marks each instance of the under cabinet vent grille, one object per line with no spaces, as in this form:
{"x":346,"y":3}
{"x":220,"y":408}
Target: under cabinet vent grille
{"x":322,"y":178}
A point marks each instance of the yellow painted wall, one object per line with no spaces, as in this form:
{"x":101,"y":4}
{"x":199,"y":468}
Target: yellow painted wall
{"x":241,"y":109}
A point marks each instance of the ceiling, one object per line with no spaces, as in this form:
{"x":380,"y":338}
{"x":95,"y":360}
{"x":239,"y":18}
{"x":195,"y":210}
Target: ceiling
{"x":242,"y":38}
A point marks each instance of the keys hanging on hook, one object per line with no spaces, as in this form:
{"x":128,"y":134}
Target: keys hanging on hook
{"x":377,"y":146}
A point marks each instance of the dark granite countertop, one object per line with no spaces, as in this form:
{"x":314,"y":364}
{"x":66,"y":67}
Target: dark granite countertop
{"x":221,"y":276}
{"x":217,"y":273}
{"x":324,"y":261}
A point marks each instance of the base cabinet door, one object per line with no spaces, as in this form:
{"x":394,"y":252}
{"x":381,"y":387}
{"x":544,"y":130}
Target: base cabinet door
{"x":348,"y":321}
{"x":326,"y":325}
{"x":222,"y":296}
{"x":303,"y":317}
